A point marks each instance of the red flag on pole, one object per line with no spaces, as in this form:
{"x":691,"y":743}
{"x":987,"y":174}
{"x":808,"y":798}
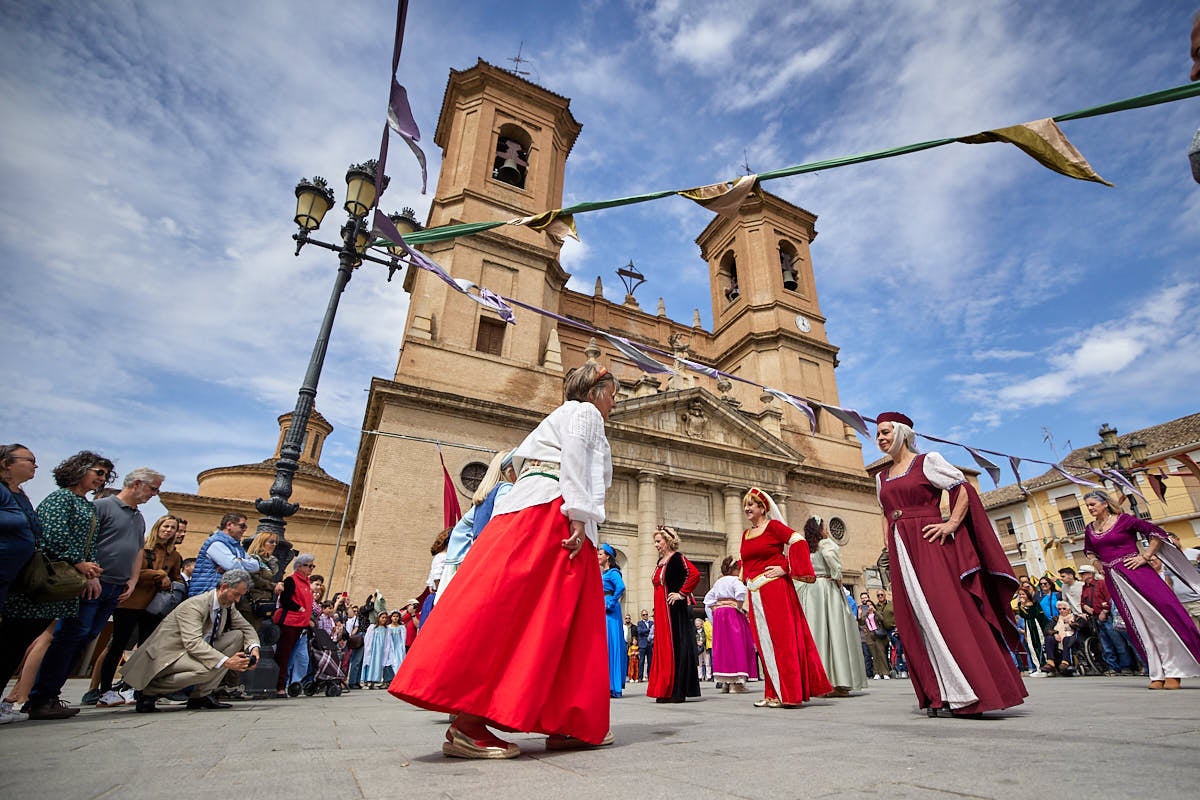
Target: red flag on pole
{"x":451,"y":510}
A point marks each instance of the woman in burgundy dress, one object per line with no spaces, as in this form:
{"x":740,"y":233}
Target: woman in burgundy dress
{"x":673,"y":677}
{"x":772,"y":556}
{"x":1161,"y":630}
{"x":951,"y":583}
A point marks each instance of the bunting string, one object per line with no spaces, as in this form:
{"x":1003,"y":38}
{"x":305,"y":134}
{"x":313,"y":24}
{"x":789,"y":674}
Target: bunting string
{"x":1035,"y":148}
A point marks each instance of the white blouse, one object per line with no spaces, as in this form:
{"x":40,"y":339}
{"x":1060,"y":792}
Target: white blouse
{"x":726,"y":587}
{"x":828,"y":559}
{"x":938,"y":471}
{"x":572,"y":436}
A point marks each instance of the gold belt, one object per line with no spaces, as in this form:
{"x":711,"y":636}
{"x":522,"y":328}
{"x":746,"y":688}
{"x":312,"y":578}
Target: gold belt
{"x":757,"y":583}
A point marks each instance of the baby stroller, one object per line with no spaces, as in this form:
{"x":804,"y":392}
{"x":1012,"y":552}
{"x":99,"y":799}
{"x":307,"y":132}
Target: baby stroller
{"x":327,"y":671}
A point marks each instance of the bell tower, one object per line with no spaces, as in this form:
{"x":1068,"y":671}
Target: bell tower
{"x":766,"y":319}
{"x":505,"y":143}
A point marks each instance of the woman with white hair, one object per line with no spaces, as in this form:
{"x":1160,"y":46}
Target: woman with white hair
{"x":773,"y":556}
{"x":951,"y":582}
{"x":1159,"y":627}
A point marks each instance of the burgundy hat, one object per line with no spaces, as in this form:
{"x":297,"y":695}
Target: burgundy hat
{"x":894,"y":416}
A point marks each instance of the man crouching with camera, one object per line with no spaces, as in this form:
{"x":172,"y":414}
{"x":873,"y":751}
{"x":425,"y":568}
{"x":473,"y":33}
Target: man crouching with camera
{"x":194,"y":646}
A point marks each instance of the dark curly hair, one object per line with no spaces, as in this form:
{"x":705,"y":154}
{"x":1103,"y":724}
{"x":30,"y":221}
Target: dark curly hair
{"x":812,"y":532}
{"x":71,"y":472}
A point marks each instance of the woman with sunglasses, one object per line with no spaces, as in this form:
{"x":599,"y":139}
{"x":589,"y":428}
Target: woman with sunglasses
{"x":68,"y":521}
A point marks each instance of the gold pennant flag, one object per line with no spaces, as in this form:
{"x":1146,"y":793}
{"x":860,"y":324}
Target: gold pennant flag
{"x":555,"y":224}
{"x":1043,"y":140}
{"x":722,"y":198}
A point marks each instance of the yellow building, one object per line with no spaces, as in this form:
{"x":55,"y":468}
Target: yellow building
{"x":1041,"y":525}
{"x":322,"y":498}
{"x":685,"y":447}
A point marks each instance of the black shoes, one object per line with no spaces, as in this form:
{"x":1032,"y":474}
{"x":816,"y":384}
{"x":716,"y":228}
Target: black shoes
{"x":144,"y":703}
{"x":206,"y":703}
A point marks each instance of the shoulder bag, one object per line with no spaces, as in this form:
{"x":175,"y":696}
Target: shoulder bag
{"x":44,"y":580}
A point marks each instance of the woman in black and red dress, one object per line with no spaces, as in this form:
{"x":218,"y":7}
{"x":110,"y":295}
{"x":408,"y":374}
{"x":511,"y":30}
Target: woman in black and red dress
{"x":673,"y":675}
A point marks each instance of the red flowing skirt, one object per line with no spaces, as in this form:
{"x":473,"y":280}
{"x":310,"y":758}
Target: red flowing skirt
{"x":794,"y":672}
{"x":518,"y":637}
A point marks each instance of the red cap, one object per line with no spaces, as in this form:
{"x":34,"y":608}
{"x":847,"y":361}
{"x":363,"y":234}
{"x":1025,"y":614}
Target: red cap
{"x":894,"y":416}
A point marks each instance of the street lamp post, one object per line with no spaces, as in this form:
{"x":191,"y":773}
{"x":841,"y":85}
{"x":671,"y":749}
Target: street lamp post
{"x":313,"y":199}
{"x":1122,"y":460}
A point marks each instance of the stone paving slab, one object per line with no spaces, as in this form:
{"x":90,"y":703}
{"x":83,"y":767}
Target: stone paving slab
{"x":1096,"y":737}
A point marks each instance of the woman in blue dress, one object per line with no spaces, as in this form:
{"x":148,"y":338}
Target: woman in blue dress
{"x":614,"y":590}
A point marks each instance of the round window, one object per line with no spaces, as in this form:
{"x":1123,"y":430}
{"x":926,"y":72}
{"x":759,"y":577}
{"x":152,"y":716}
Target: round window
{"x":837,"y":529}
{"x":472,"y":474}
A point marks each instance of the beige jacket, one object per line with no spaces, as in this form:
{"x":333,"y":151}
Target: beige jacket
{"x":183,"y":634}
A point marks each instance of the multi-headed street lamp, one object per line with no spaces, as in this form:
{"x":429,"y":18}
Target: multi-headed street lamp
{"x":313,"y":199}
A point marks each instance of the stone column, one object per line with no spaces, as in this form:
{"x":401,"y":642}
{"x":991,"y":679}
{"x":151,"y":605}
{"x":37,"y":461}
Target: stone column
{"x":735,"y":520}
{"x":645,"y":556}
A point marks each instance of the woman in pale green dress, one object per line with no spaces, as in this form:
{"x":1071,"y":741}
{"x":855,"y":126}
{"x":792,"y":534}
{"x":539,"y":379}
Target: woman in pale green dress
{"x":834,"y":628}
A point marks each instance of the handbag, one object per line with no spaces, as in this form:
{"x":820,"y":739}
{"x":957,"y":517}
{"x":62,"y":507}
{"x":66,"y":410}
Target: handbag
{"x":354,"y":642}
{"x":162,"y":603}
{"x":44,"y":580}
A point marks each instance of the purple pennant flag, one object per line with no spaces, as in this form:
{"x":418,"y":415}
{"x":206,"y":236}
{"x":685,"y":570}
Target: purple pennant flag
{"x":797,"y":404}
{"x":992,"y":470}
{"x":1124,"y":483}
{"x":703,"y":370}
{"x":1072,"y":478}
{"x":400,"y":119}
{"x":635,"y":355}
{"x":850,"y":417}
{"x":1015,"y":463}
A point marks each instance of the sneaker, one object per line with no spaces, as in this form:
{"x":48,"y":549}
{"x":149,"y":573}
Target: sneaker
{"x":9,"y":713}
{"x":876,"y":677}
{"x":110,"y":699}
{"x":90,"y":697}
{"x":1110,"y":673}
{"x":887,"y":677}
{"x":51,"y":709}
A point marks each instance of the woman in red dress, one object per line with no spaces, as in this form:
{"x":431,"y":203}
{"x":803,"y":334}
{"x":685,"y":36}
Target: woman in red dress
{"x":951,"y":582}
{"x":772,"y":556}
{"x":673,"y":676}
{"x":517,"y":640}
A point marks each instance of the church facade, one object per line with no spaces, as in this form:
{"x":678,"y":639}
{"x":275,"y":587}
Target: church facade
{"x":685,"y":447}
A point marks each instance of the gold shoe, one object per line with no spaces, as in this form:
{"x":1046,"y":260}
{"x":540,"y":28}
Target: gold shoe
{"x":459,"y":745}
{"x":769,"y":702}
{"x":1173,"y":683}
{"x":740,"y":687}
{"x":1155,"y":685}
{"x":561,"y":741}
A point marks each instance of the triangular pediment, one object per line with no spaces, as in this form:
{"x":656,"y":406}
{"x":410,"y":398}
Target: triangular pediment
{"x":695,"y":419}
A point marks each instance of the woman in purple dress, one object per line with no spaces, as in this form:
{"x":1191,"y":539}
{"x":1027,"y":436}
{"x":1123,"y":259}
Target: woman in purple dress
{"x":1163,"y":634}
{"x":951,"y":583}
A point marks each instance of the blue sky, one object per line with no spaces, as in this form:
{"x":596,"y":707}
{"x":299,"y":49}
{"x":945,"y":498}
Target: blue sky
{"x":155,"y":311}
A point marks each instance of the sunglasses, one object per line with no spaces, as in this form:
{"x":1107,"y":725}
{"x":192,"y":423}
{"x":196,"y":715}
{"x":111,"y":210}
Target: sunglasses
{"x":101,"y":472}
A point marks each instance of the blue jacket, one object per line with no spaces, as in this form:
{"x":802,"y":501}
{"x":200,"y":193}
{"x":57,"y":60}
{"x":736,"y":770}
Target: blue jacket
{"x":207,"y":573}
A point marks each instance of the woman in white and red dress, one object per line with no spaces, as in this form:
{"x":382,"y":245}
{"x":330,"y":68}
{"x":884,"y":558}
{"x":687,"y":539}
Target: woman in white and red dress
{"x":673,"y":676}
{"x":535,"y":563}
{"x":952,"y":585}
{"x":772,"y":556}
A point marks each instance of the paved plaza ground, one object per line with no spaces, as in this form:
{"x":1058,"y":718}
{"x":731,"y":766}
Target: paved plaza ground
{"x":1091,"y":738}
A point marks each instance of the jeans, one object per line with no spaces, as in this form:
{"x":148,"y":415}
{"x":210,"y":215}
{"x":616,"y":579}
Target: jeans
{"x":644,"y":667}
{"x":298,"y":666}
{"x":71,"y":636}
{"x":1115,"y":647}
{"x":355,"y":674}
{"x":866,"y":650}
